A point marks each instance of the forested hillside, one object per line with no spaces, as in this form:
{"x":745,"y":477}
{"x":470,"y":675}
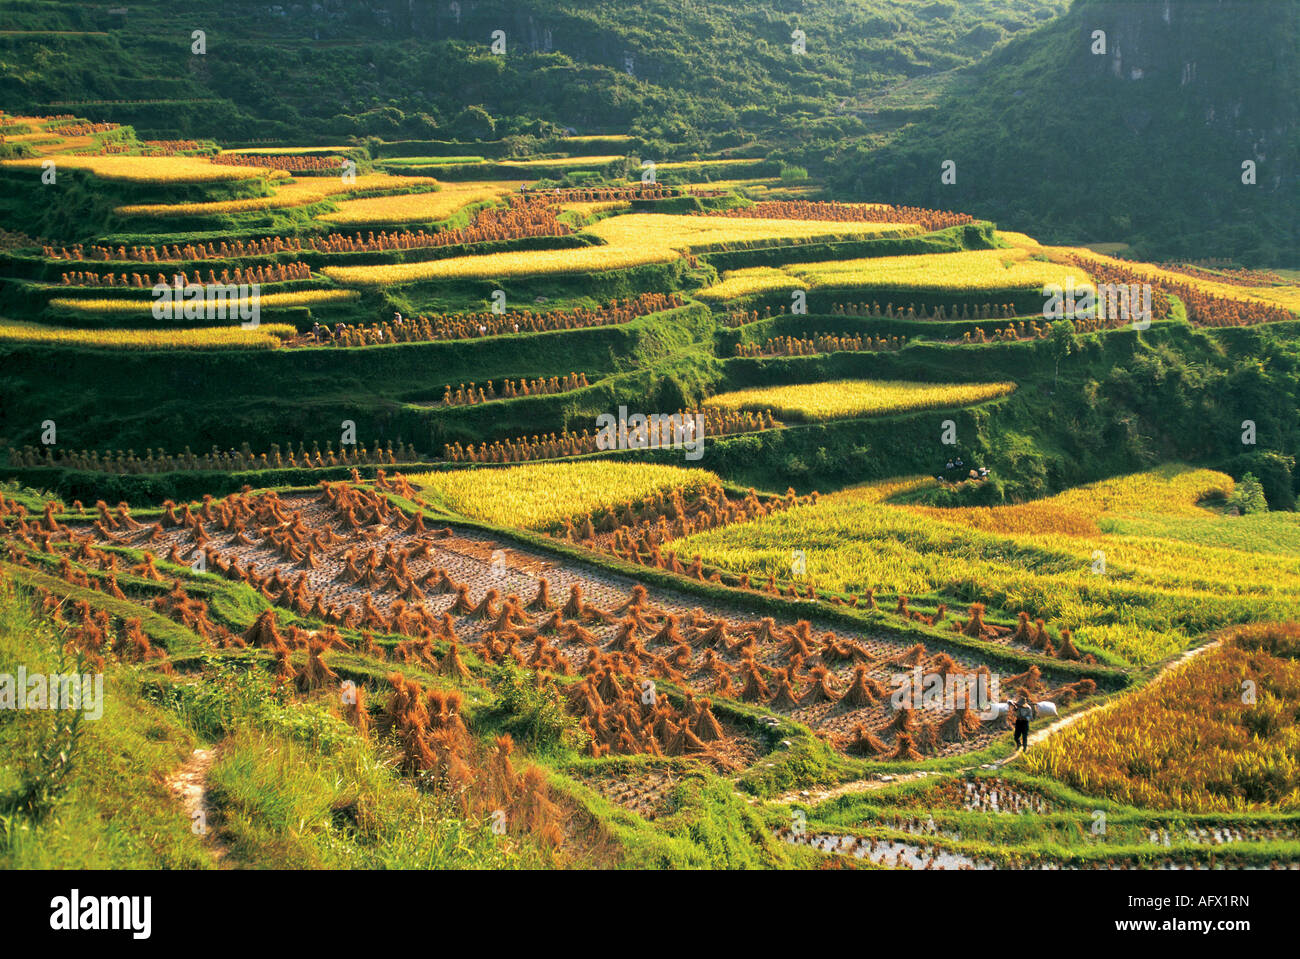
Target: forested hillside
{"x":1143,"y":143}
{"x":681,"y":74}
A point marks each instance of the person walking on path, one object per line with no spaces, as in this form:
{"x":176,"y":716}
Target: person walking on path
{"x":1024,"y":712}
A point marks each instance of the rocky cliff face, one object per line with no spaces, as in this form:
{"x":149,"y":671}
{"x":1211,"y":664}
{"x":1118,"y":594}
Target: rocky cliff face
{"x":1220,"y":65}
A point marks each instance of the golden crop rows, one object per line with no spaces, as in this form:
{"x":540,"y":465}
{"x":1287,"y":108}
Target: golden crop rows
{"x":842,"y":399}
{"x":1171,"y":570}
{"x":28,"y":137}
{"x":265,"y":301}
{"x":1193,"y":740}
{"x":1287,"y":296}
{"x":418,"y":207}
{"x":152,"y":169}
{"x":503,"y":265}
{"x":1022,"y":240}
{"x":299,"y":192}
{"x":266,"y":336}
{"x":1078,"y":510}
{"x":635,"y":239}
{"x":592,"y":207}
{"x":968,"y":271}
{"x":538,"y":496}
{"x":698,"y":234}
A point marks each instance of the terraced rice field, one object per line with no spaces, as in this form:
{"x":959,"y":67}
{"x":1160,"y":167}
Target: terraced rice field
{"x":1159,"y":553}
{"x":489,"y":564}
{"x":844,"y":399}
{"x":122,"y":307}
{"x":290,"y":193}
{"x":267,"y":336}
{"x":372,"y":628}
{"x":635,"y":239}
{"x":419,"y":207}
{"x":1285,"y":295}
{"x":1213,"y":736}
{"x":151,"y":170}
{"x":973,"y":271}
{"x":541,"y":495}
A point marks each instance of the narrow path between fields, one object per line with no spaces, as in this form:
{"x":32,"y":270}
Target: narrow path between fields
{"x":814,"y":796}
{"x":190,"y":784}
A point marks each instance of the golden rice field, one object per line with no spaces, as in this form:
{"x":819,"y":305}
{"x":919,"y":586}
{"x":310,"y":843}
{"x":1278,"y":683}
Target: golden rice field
{"x":539,"y":496}
{"x":267,"y":336}
{"x":843,"y":399}
{"x":64,"y":144}
{"x":1171,"y":570}
{"x":266,"y":301}
{"x":1193,"y":739}
{"x":1022,"y":240}
{"x":593,"y":207}
{"x":27,"y":137}
{"x":1079,"y":511}
{"x":1287,"y":296}
{"x":299,"y":192}
{"x":967,"y":271}
{"x":419,"y":207}
{"x":152,"y":169}
{"x":636,"y":239}
{"x":502,"y":265}
{"x":697,"y":234}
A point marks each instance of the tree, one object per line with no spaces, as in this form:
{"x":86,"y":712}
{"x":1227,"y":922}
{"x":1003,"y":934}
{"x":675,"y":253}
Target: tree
{"x":1248,"y":497}
{"x":474,"y":123}
{"x":1063,"y":343}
